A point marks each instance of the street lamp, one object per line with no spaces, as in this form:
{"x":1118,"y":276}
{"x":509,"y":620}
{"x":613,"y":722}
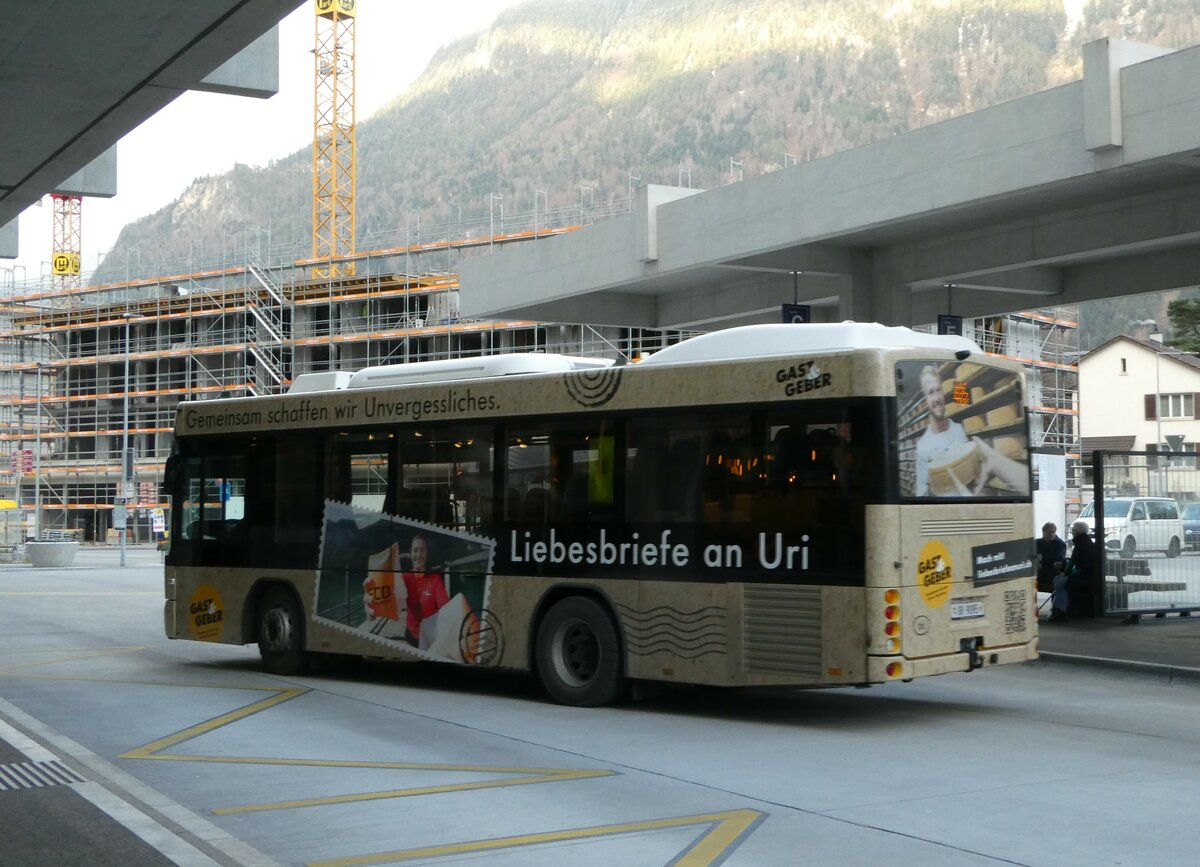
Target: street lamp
{"x":37,"y":457}
{"x":126,"y":462}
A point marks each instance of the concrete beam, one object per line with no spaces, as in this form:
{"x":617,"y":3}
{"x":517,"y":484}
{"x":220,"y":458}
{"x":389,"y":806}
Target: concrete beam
{"x":610,"y":308}
{"x":1103,"y":106}
{"x":1154,"y":271}
{"x":761,"y":294}
{"x":1125,"y":225}
{"x":598,"y":258}
{"x":84,"y":77}
{"x":8,"y":240}
{"x":925,"y":306}
{"x":98,"y":178}
{"x":253,"y":71}
{"x":809,"y":259}
{"x":645,"y":214}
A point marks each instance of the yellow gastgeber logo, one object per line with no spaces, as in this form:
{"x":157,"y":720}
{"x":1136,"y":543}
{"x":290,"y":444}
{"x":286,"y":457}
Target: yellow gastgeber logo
{"x":935,"y":574}
{"x":206,"y":613}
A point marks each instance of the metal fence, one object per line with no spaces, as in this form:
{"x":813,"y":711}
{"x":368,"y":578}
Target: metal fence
{"x":1145,"y":515}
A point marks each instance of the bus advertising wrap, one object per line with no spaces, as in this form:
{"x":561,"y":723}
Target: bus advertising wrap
{"x":962,"y":431}
{"x":402,"y":582}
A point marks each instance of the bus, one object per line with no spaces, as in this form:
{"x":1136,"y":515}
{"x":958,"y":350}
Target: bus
{"x":808,"y":505}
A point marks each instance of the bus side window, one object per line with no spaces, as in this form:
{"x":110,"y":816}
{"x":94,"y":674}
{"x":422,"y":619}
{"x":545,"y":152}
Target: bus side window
{"x":646,"y":483}
{"x":190,"y":481}
{"x":214,"y":510}
{"x":360,"y":470}
{"x":443,"y":476}
{"x":689,"y":468}
{"x":684,"y":474}
{"x":296,"y":502}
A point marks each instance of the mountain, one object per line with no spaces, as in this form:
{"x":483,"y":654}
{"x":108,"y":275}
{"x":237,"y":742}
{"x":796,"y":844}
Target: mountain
{"x":575,"y":97}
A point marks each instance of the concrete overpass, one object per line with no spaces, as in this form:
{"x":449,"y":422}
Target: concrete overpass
{"x":76,"y":75}
{"x":1085,"y":191}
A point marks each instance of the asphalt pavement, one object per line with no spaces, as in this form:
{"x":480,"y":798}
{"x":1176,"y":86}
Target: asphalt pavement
{"x":75,"y":823}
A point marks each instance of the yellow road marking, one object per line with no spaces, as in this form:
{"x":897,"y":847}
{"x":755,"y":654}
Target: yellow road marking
{"x":556,"y":777}
{"x":89,"y":593}
{"x":148,"y":751}
{"x":725,"y":831}
{"x":75,"y":656}
{"x":69,"y":650}
{"x":156,"y":751}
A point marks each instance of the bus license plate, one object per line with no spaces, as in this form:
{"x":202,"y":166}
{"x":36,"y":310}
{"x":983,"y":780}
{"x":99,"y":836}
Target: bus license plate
{"x":965,"y":610}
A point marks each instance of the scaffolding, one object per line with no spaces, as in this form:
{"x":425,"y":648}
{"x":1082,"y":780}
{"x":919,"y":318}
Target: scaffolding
{"x":245,"y":324}
{"x":1046,"y":342}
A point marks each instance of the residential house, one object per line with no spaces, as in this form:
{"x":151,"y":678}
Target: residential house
{"x":1143,"y":396}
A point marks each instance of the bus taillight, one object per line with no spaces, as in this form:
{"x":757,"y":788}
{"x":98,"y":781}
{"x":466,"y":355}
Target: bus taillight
{"x":892,"y":614}
{"x":894,"y":669}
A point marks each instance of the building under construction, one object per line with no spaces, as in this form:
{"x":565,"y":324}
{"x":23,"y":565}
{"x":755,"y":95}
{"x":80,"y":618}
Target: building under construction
{"x":89,"y":368}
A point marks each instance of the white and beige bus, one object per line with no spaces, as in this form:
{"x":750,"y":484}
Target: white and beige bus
{"x":790,"y":505}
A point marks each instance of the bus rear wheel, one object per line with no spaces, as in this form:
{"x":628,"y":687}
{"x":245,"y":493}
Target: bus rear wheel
{"x":281,"y":632}
{"x":579,"y":654}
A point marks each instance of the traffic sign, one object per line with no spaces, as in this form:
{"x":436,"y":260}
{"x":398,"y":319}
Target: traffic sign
{"x":797,"y":313}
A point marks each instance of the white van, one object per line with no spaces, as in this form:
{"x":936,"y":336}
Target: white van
{"x":1135,"y":525}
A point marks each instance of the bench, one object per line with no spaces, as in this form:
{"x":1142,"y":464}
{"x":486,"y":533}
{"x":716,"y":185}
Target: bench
{"x":1119,"y":567}
{"x":1125,"y":575}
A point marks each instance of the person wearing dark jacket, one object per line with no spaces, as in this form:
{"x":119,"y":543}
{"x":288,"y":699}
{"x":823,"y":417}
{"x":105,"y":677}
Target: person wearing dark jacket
{"x":1073,"y":587}
{"x":1052,"y":557}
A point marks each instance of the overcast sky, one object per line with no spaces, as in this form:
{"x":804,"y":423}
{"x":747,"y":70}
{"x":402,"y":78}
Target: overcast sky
{"x":202,"y":134}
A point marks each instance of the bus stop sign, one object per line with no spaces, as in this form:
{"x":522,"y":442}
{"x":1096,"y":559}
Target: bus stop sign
{"x":798,"y":313}
{"x":949,"y":324}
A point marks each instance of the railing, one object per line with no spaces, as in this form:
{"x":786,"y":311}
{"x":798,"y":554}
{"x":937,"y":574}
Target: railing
{"x":1146,"y":524}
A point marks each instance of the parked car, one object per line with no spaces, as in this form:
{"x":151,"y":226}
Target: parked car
{"x":1191,"y":526}
{"x":1135,"y":525}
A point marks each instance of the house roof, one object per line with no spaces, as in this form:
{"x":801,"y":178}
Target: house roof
{"x":1107,"y":444}
{"x":1185,"y":358}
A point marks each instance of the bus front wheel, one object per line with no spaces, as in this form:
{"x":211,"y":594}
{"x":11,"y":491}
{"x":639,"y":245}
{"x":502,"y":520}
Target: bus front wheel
{"x":579,"y":653}
{"x":281,"y":632}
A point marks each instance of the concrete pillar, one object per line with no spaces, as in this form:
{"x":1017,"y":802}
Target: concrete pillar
{"x":873,"y":295}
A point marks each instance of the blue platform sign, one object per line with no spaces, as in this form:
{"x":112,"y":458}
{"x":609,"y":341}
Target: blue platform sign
{"x":801,"y":313}
{"x":948,"y":324}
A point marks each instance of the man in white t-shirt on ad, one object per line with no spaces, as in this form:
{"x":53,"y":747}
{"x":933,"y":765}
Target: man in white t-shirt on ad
{"x":943,"y":437}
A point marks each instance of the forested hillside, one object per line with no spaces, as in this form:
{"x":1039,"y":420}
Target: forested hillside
{"x":559,"y":94}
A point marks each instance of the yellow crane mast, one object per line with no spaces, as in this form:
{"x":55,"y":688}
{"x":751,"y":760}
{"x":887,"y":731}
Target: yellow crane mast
{"x":66,"y":240}
{"x":333,"y":217}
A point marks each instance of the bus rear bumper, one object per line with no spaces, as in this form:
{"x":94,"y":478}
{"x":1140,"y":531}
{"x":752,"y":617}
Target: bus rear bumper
{"x":878,"y":666}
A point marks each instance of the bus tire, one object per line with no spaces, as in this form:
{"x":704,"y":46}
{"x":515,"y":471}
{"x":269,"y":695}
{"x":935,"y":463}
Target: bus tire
{"x":579,"y":653}
{"x":281,"y":632}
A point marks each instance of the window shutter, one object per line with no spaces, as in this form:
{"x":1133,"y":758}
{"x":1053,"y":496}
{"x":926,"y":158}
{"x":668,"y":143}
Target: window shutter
{"x":1151,"y":407}
{"x":1195,"y":403}
{"x":1152,"y":460}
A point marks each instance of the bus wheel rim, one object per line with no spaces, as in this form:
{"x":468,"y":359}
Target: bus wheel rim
{"x":277,"y":629}
{"x":576,"y":653}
